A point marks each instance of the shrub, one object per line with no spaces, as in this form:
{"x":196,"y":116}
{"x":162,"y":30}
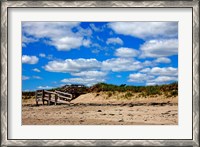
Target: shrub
{"x":109,"y":94}
{"x":128,"y":94}
{"x":174,"y":93}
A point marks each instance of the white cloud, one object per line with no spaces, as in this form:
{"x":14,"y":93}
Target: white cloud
{"x":162,"y":79}
{"x":118,"y":76}
{"x":169,"y":71}
{"x":145,"y":70}
{"x":29,"y":59}
{"x":90,"y":74}
{"x":36,"y":70}
{"x":48,"y":29}
{"x":155,"y":76}
{"x":58,"y":34}
{"x":151,"y":83}
{"x":70,"y":65}
{"x":159,"y":48}
{"x":37,"y":77}
{"x":95,"y":51}
{"x":161,"y":71}
{"x":44,"y":87}
{"x":114,"y":41}
{"x":96,"y":29}
{"x":139,"y":77}
{"x":25,"y":77}
{"x":27,"y":40}
{"x":82,"y":80}
{"x":146,"y":30}
{"x":126,"y":52}
{"x":42,"y":55}
{"x":49,"y":57}
{"x":121,"y":64}
{"x":67,"y":43}
{"x":162,"y":60}
{"x":87,"y":42}
{"x":148,"y":63}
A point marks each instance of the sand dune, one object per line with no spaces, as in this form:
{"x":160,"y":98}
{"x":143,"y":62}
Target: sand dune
{"x":98,"y":109}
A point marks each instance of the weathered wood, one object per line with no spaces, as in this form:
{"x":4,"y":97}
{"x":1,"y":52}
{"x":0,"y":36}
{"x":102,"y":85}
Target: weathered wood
{"x":43,"y":97}
{"x":56,"y":98}
{"x":49,"y":100}
{"x":36,"y":99}
{"x":64,"y":93}
{"x":49,"y":92}
{"x":38,"y":93}
{"x":64,"y":97}
{"x":52,"y":97}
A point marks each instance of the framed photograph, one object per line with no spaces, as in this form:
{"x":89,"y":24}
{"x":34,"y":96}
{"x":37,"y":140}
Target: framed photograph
{"x":100,"y":73}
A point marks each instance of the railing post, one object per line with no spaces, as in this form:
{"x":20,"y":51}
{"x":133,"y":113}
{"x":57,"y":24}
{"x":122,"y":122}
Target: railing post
{"x":43,"y":97}
{"x":49,"y":100}
{"x":36,"y":98}
{"x":56,"y":98}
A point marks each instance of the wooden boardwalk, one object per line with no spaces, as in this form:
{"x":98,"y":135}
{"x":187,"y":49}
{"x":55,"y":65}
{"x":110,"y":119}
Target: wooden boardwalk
{"x":52,"y":97}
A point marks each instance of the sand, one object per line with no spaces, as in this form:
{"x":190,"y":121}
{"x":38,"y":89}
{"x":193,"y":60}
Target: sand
{"x":96,"y":109}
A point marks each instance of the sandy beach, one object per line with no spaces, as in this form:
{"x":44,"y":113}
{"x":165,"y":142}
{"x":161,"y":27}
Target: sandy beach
{"x":93,"y":109}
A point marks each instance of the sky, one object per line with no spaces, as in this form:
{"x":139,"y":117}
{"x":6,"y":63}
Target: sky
{"x":133,"y":53}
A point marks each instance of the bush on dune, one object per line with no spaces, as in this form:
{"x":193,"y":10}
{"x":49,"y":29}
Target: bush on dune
{"x":144,"y":90}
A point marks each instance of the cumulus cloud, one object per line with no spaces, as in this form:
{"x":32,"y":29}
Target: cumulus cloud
{"x":161,"y":71}
{"x":96,"y":29}
{"x":58,"y":34}
{"x":162,"y":60}
{"x":42,"y":55}
{"x":121,"y":64}
{"x":126,"y":52}
{"x":90,"y":74}
{"x":44,"y":87}
{"x":36,"y":70}
{"x":48,"y":29}
{"x":145,"y":70}
{"x":87,"y":42}
{"x":170,"y":71}
{"x":139,"y":77}
{"x":25,"y":77}
{"x":146,"y":30}
{"x":116,"y":40}
{"x":155,"y":75}
{"x":29,"y":59}
{"x":82,"y":80}
{"x":118,"y":76}
{"x":67,"y":43}
{"x":162,"y":80}
{"x":159,"y":48}
{"x":70,"y":65}
{"x":27,"y":40}
{"x":37,"y":77}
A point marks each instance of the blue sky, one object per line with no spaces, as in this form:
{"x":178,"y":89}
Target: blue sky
{"x":132,"y":53}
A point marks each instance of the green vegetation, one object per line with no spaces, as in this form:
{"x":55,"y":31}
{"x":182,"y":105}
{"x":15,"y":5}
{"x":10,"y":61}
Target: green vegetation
{"x":170,"y":89}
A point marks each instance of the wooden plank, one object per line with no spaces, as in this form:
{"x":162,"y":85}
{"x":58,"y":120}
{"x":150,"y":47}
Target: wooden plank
{"x":36,"y":99}
{"x":56,"y":99}
{"x":43,"y":97}
{"x":62,"y":101}
{"x":49,"y":100}
{"x":39,"y":92}
{"x":64,"y":97}
{"x":51,"y":92}
{"x":64,"y":93}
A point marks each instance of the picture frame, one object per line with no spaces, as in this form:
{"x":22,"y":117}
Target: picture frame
{"x":6,"y":5}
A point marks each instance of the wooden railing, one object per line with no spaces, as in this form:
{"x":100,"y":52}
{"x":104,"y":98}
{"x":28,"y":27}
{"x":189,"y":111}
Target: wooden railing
{"x":52,"y":97}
